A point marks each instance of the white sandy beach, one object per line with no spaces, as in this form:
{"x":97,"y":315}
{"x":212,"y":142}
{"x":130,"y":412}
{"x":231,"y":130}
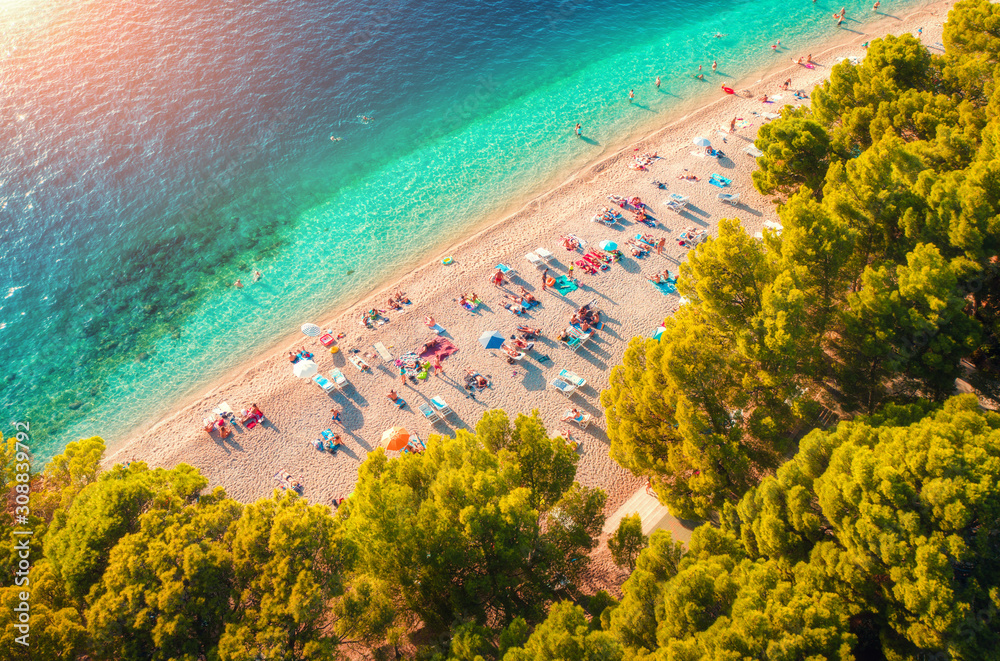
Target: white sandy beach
{"x":298,"y":410}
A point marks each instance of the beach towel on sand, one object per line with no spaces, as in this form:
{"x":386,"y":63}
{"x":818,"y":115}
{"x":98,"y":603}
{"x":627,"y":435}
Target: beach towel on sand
{"x":565,"y":286}
{"x":666,"y":288}
{"x":441,"y":348}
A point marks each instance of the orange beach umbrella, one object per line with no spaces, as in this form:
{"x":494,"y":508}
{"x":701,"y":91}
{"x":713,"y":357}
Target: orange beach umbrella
{"x":395,"y":438}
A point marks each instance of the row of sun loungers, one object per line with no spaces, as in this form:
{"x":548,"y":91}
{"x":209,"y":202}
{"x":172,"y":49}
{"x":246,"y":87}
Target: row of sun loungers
{"x":567,"y":382}
{"x":439,"y":411}
{"x":539,"y":257}
{"x":337,"y":380}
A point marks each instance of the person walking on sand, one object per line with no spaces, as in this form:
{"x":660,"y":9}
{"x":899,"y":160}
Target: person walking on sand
{"x":402,"y":375}
{"x":660,"y":245}
{"x":657,"y":82}
{"x":809,"y":58}
{"x":438,"y":367}
{"x":545,"y":278}
{"x":336,"y":416}
{"x":876,"y":5}
{"x":732,"y":126}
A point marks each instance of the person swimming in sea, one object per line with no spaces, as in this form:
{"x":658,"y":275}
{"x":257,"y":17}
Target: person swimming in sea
{"x":631,"y":95}
{"x":579,"y":130}
{"x":365,"y":119}
{"x":334,"y":138}
{"x":257,"y":275}
{"x":657,"y":82}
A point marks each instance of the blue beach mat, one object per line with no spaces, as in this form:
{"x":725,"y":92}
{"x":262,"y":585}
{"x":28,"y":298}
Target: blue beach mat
{"x":666,"y":288}
{"x":565,"y":286}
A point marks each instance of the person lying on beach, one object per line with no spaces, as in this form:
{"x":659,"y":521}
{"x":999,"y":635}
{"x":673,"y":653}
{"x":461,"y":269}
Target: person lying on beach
{"x":401,"y":297}
{"x":517,"y":299}
{"x":514,"y":309}
{"x":570,"y":243}
{"x":526,"y":295}
{"x":394,"y":305}
{"x":572,"y":414}
{"x":522,"y":345}
{"x":513,"y":353}
{"x":688,"y":177}
{"x":528,"y":330}
{"x":292,"y":358}
{"x":305,"y":354}
{"x":476,"y":379}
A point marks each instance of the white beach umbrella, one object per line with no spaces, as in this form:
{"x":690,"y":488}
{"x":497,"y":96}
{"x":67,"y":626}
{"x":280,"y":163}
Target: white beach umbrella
{"x":312,"y":330}
{"x":304,"y":369}
{"x":702,"y":142}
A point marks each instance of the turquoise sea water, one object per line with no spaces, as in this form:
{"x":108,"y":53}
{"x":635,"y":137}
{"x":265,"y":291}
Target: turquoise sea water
{"x":152,"y":154}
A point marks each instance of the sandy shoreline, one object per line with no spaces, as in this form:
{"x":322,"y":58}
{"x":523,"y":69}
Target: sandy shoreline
{"x":298,"y":410}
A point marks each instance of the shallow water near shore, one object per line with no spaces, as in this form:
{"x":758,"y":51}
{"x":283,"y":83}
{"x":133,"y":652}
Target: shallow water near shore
{"x":154,"y":155}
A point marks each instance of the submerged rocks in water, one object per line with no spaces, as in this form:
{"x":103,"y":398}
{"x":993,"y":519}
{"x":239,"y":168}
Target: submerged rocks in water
{"x":75,"y":405}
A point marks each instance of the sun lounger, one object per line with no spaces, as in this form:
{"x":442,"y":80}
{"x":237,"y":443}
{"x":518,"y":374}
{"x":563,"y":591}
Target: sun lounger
{"x":770,"y":224}
{"x":383,"y":353}
{"x":544,"y":254}
{"x":441,"y":405}
{"x":534,"y":259}
{"x":563,"y":386}
{"x":753,"y":151}
{"x":359,"y":363}
{"x":770,"y":115}
{"x":572,"y":378}
{"x":323,"y":383}
{"x":506,"y":270}
{"x":339,"y":380}
{"x":676,"y":206}
{"x":429,"y":413}
{"x":582,"y":419}
{"x":512,"y":353}
{"x":677,"y":197}
{"x":437,"y":328}
{"x":729,"y":198}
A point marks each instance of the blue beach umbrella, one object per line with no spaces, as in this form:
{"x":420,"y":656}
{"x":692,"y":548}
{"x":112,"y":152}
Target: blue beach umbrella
{"x":608,"y":245}
{"x":491,"y":340}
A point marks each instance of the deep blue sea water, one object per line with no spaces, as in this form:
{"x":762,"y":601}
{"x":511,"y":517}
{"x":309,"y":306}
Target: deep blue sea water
{"x":153,"y":152}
